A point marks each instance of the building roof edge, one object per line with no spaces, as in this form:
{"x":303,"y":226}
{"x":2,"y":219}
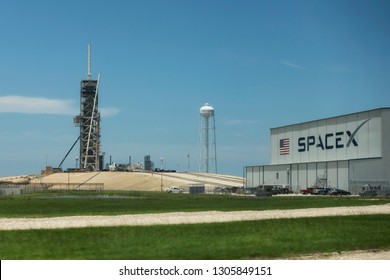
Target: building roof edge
{"x":349,"y":114}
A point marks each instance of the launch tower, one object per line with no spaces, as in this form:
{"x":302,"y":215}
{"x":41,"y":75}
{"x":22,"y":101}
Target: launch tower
{"x":89,"y":122}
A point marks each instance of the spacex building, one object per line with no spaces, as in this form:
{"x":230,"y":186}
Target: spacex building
{"x":349,"y":152}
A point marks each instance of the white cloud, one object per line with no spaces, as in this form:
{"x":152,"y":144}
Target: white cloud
{"x":109,"y":112}
{"x":290,"y":64}
{"x":41,"y":105}
{"x":37,"y":105}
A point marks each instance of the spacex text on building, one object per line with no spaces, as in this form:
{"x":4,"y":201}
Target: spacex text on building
{"x":329,"y":141}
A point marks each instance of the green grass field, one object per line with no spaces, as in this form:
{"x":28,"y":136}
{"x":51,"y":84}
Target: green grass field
{"x":267,"y":239}
{"x":51,"y":204}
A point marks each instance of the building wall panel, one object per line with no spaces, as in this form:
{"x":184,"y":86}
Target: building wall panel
{"x":332,"y":174}
{"x":347,"y":137}
{"x":302,"y":175}
{"x":343,"y":151}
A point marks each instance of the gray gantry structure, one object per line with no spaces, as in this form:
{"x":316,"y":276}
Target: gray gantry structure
{"x":89,"y":122}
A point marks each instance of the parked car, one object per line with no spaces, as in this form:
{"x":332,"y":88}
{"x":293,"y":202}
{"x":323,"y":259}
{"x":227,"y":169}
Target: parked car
{"x":281,"y":189}
{"x":262,"y":192}
{"x":221,"y":190}
{"x":174,"y":190}
{"x":321,"y":191}
{"x":339,"y":192}
{"x":307,"y":191}
{"x":243,"y":190}
{"x":368,"y":193}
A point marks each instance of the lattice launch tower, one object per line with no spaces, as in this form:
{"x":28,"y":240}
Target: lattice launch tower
{"x":89,"y":122}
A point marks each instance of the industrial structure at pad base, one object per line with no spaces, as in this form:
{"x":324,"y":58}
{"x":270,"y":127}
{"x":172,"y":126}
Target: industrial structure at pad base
{"x":349,"y":152}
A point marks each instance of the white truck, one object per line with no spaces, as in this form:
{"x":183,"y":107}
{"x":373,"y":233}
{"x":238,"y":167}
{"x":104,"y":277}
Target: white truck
{"x":174,"y":190}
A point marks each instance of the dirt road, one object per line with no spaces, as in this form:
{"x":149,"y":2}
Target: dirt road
{"x":184,"y":217}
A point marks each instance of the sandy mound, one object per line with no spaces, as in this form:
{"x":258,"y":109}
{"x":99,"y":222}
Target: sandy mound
{"x":137,"y":181}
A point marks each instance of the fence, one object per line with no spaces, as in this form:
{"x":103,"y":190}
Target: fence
{"x":210,"y":189}
{"x":97,"y":187}
{"x":15,"y":189}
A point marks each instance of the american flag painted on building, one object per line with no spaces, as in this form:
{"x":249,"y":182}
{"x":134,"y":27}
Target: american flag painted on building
{"x":284,"y":146}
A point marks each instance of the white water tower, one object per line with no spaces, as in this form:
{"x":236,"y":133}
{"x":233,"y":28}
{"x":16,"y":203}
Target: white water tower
{"x":207,"y":140}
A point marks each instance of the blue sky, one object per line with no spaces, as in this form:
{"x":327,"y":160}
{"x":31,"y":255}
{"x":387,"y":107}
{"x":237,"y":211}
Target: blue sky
{"x":261,"y":64}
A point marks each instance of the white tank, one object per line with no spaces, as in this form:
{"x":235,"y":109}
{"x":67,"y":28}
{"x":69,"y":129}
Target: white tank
{"x":206,"y":110}
{"x":207,"y":140}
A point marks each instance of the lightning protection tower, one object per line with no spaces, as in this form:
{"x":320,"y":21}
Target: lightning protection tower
{"x":207,"y":140}
{"x":89,"y":122}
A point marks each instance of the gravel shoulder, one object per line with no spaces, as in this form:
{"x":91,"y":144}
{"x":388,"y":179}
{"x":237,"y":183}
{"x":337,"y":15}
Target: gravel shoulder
{"x":348,"y":255}
{"x":184,"y":217}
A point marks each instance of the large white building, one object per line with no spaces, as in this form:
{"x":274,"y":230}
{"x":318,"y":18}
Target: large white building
{"x":346,"y":152}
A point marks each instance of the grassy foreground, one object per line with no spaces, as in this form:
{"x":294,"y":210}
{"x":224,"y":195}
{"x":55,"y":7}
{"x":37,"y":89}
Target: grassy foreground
{"x":62,"y":204}
{"x":267,"y":239}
